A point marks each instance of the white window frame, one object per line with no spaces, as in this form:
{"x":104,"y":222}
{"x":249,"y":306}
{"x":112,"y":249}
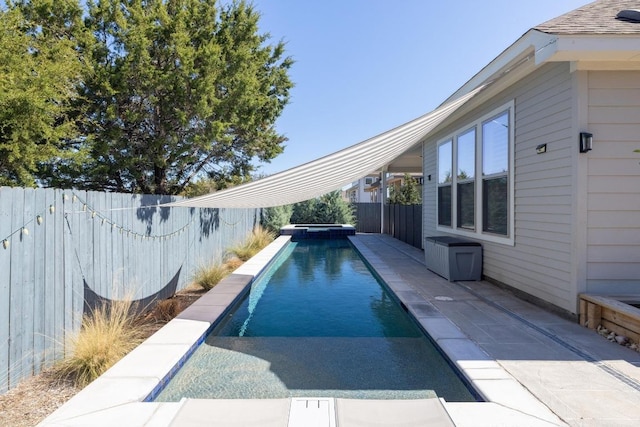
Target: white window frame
{"x":478,"y":233}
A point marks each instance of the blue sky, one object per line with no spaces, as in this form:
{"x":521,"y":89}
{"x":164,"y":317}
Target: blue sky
{"x":365,"y":66}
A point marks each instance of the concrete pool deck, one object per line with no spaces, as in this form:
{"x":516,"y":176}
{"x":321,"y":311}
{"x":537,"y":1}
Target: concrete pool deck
{"x":532,"y":367}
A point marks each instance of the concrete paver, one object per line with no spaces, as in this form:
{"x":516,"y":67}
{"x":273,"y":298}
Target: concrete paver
{"x":580,"y":376}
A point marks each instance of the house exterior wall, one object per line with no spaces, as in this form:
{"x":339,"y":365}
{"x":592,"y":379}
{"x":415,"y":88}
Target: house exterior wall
{"x":613,"y":183}
{"x":541,"y":262}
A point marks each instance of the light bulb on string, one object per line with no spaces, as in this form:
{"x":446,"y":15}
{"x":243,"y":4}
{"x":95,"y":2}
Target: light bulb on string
{"x":39,"y":219}
{"x":5,"y":243}
{"x":52,"y":209}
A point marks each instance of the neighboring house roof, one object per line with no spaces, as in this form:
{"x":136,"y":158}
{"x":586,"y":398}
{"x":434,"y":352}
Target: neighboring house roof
{"x":588,"y":19}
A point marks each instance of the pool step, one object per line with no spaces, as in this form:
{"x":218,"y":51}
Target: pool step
{"x":312,"y":412}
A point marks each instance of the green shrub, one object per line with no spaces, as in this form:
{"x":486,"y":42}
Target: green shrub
{"x":274,"y":218}
{"x":330,"y":208}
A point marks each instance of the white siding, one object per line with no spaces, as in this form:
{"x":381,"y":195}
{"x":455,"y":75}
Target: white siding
{"x":613,"y":220}
{"x":540,"y":262}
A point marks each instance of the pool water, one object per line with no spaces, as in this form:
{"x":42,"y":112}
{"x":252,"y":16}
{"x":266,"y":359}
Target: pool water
{"x":318,"y":323}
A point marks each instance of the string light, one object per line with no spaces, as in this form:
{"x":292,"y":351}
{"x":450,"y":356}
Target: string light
{"x":39,"y":219}
{"x":87,"y":208}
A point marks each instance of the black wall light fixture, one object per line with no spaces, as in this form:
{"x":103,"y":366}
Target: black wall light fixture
{"x":542,"y":148}
{"x":586,"y":141}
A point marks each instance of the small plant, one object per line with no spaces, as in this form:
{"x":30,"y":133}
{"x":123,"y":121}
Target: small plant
{"x":167,"y":309}
{"x":256,"y":241}
{"x":233,"y":263}
{"x":107,"y":334}
{"x":207,"y":276}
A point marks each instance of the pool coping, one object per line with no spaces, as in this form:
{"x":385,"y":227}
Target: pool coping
{"x":118,"y":396}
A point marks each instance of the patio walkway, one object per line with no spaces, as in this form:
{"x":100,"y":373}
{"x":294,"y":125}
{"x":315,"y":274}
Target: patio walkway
{"x":580,"y":376}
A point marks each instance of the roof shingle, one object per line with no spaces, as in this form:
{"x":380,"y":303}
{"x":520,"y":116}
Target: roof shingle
{"x":594,"y":18}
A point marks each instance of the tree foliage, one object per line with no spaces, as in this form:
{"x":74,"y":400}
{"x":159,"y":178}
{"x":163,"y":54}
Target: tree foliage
{"x":274,"y":218}
{"x":330,"y":208}
{"x":407,"y":194}
{"x":40,"y":68}
{"x":170,"y":91}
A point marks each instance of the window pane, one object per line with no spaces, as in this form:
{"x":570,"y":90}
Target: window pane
{"x":444,"y":205}
{"x":495,"y":205}
{"x":467,"y":155}
{"x":495,"y":145}
{"x":444,"y":162}
{"x":466,"y":203}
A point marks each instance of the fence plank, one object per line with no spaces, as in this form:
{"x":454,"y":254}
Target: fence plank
{"x":39,"y":279}
{"x":6,"y":202}
{"x":404,"y":222}
{"x":17,"y":268}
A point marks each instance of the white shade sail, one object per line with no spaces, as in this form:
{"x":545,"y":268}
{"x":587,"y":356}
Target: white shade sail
{"x":331,"y":172}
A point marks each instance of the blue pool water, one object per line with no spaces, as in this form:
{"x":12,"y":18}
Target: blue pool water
{"x":318,"y":323}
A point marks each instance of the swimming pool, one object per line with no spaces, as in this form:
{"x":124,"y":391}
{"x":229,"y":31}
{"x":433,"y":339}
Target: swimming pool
{"x":317,"y":323}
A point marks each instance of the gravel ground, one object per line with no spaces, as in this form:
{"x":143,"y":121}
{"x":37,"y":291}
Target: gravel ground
{"x":35,"y":398}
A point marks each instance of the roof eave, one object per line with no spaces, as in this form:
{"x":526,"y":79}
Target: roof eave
{"x":526,"y":46}
{"x":589,"y":48}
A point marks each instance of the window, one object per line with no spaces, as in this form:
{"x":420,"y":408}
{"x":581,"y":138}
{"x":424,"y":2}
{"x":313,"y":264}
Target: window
{"x":444,"y":183}
{"x":465,"y":179}
{"x":495,"y":164}
{"x":477,"y":200}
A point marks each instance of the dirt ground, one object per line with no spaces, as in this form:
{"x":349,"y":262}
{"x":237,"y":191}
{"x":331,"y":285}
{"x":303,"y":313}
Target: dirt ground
{"x":37,"y":397}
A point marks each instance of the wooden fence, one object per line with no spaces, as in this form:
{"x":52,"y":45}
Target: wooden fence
{"x":63,"y":250}
{"x":404,"y":222}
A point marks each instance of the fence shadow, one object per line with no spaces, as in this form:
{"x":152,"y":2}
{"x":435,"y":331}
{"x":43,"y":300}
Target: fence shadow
{"x":209,"y":221}
{"x":148,"y":208}
{"x":92,"y":300}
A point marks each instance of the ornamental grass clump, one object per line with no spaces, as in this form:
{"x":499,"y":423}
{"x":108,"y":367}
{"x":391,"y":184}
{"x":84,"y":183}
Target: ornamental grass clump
{"x":257,"y":240}
{"x":107,"y":334}
{"x":207,"y":276}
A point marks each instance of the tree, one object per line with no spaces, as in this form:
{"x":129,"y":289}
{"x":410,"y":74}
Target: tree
{"x":407,"y":194}
{"x":178,"y":90}
{"x":327,"y":209}
{"x":40,"y":68}
{"x":274,"y":218}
